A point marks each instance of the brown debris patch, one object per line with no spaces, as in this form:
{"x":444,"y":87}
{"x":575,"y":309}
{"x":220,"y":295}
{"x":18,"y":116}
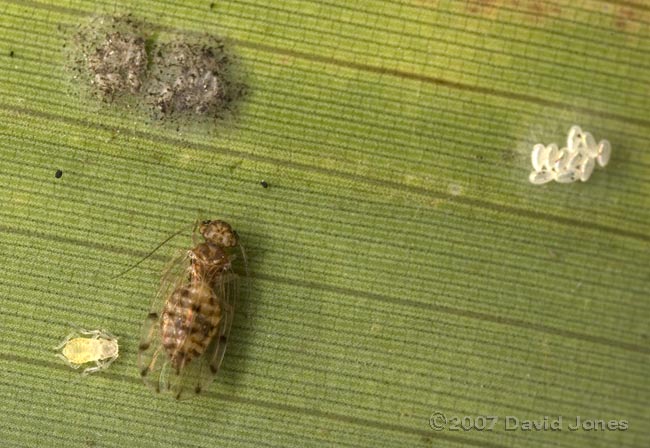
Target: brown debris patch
{"x":532,"y":10}
{"x":192,"y":78}
{"x":481,"y":6}
{"x":134,"y":64}
{"x":112,"y":56}
{"x":118,"y":65}
{"x":626,"y":19}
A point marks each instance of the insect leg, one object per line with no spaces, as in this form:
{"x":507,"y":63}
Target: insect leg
{"x":79,"y":329}
{"x":195,"y":232}
{"x":108,"y":362}
{"x":105,"y":334}
{"x":90,"y":370}
{"x":67,"y":361}
{"x":199,"y":386}
{"x":228,"y":308}
{"x":97,"y":334}
{"x":65,"y":341}
{"x":148,"y":369}
{"x":148,"y":334}
{"x":215,"y":361}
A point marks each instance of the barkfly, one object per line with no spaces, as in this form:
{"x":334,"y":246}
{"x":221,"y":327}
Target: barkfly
{"x":101,"y":348}
{"x":185,"y":334}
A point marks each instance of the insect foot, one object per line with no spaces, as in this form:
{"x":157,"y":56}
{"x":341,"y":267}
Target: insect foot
{"x":574,"y":162}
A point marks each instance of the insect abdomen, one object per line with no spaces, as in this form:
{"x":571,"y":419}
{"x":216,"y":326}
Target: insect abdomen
{"x":82,"y":350}
{"x":189,"y":321}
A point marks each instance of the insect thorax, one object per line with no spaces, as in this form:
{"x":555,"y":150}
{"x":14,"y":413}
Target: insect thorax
{"x":208,"y":261}
{"x":109,"y":348}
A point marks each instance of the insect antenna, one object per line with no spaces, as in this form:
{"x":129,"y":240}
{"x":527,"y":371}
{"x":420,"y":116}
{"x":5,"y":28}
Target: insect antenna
{"x":243,"y":255}
{"x":165,"y":241}
{"x":246,"y":270}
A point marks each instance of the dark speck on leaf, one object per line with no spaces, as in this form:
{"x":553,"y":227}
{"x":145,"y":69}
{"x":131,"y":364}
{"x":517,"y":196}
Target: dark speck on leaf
{"x":211,"y":5}
{"x":58,"y":174}
{"x":264,"y":184}
{"x":11,"y":54}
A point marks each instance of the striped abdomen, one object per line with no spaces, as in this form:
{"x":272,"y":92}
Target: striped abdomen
{"x":189,"y":322}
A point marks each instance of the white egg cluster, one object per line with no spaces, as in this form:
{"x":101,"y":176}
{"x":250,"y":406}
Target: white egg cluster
{"x":574,"y":162}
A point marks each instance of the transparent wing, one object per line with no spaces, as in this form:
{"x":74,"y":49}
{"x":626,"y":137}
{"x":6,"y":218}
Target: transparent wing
{"x":197,"y":375}
{"x":152,"y":359}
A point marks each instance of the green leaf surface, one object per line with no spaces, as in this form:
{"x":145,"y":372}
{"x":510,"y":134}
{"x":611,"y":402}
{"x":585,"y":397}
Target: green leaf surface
{"x":402,"y":264}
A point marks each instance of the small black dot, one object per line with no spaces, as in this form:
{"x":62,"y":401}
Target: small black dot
{"x":264,"y":184}
{"x":211,"y":5}
{"x":58,"y":174}
{"x":11,"y":54}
